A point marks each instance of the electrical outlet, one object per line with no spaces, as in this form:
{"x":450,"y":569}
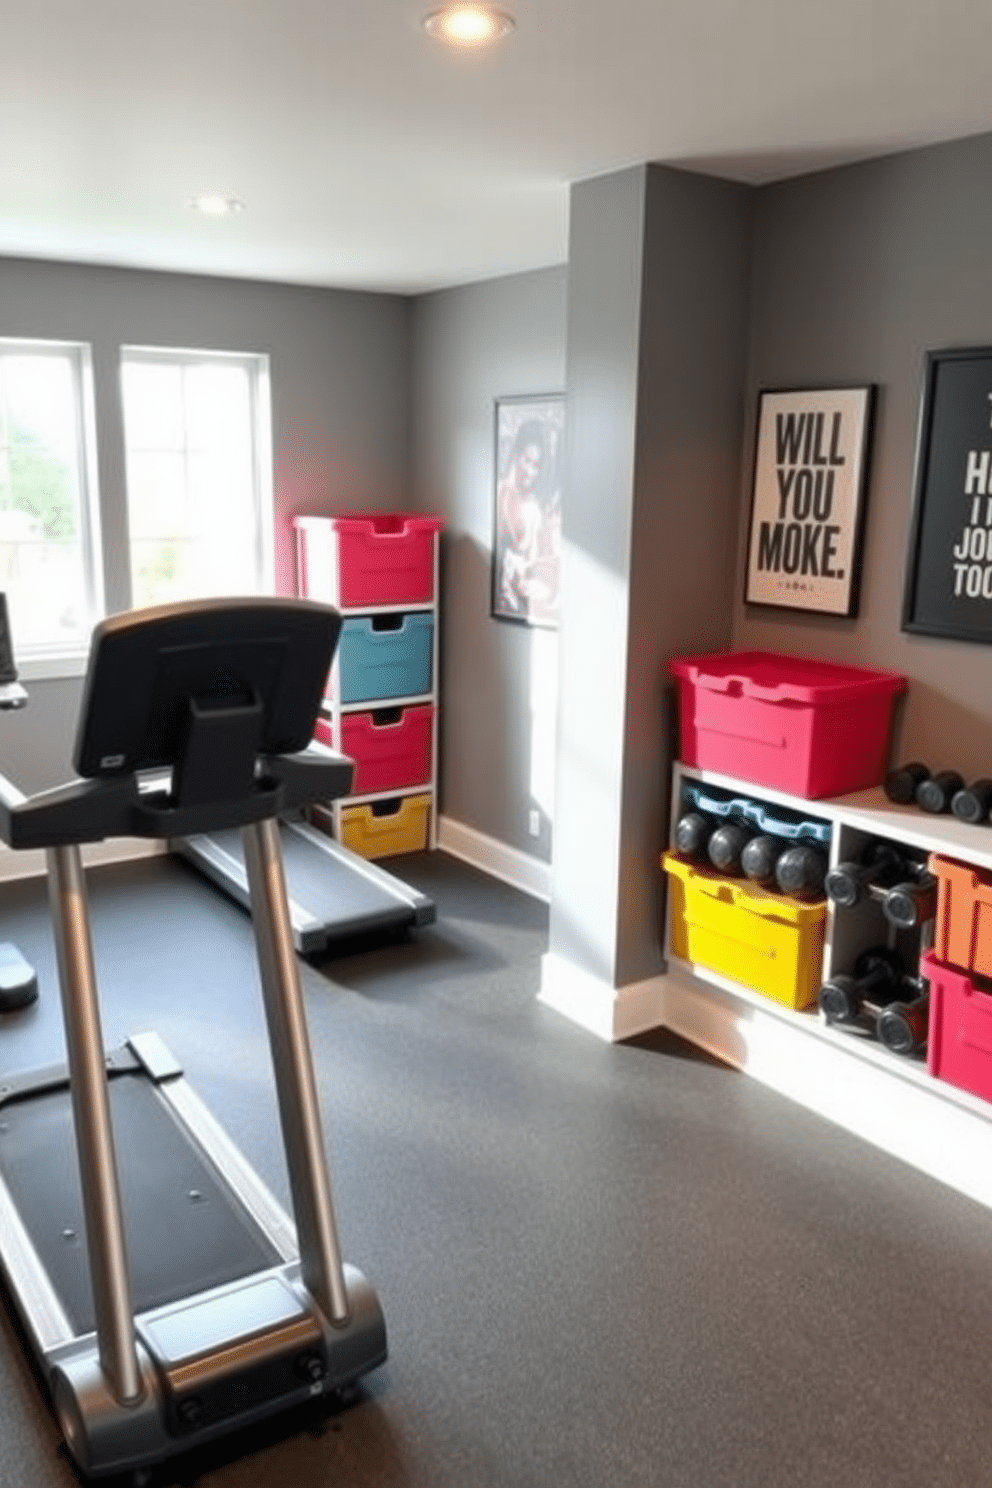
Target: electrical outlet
{"x":534,"y":822}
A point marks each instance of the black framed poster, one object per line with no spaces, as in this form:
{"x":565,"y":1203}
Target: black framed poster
{"x":948,"y":590}
{"x":808,"y":499}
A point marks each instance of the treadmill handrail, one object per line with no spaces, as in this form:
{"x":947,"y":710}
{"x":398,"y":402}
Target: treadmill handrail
{"x":90,"y":810}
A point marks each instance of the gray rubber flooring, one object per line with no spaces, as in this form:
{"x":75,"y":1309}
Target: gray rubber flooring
{"x":599,"y":1265}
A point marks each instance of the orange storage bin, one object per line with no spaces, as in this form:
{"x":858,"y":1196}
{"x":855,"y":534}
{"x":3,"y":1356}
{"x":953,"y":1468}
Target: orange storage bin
{"x":962,"y":932}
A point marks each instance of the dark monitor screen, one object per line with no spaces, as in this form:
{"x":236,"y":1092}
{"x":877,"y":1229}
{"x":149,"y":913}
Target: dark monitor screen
{"x":147,"y":666}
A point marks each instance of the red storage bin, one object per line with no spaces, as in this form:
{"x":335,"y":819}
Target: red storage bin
{"x":811,"y":728}
{"x":391,"y":747}
{"x":367,"y":559}
{"x":959,"y":1043}
{"x":962,"y":928}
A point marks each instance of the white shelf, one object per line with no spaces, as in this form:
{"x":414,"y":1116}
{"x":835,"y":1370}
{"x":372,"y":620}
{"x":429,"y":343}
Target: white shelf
{"x":331,"y":706}
{"x":870,"y":811}
{"x":412,"y":607}
{"x":888,"y":1099}
{"x":322,"y":566}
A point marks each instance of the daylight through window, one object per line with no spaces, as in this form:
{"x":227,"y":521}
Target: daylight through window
{"x":48,"y":552}
{"x":196,"y":430}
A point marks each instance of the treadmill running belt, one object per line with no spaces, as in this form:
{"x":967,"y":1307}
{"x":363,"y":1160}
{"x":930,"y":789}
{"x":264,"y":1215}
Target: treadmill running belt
{"x":185,"y":1231}
{"x":332,"y":892}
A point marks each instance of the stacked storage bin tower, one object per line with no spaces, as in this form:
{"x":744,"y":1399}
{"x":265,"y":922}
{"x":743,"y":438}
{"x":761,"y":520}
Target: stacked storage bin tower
{"x":832,"y":938}
{"x":381,"y":571}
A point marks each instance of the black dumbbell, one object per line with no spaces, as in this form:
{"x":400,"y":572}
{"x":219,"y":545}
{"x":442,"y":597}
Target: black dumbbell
{"x":801,"y":870}
{"x":726,"y":845}
{"x":692,"y":832}
{"x":848,"y":883}
{"x":903,"y":1026}
{"x":759,"y":857}
{"x":973,"y":802}
{"x":902,"y":783}
{"x":936,"y":793}
{"x":912,"y":903}
{"x":878,"y":974}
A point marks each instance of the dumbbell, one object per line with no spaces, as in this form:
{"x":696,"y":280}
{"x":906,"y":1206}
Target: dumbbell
{"x":902,"y":783}
{"x":801,"y":870}
{"x":692,"y":832}
{"x":726,"y":846}
{"x":907,"y":891}
{"x":973,"y":802}
{"x":912,"y":903}
{"x":936,"y":793}
{"x":759,"y":857}
{"x":903,"y":1026}
{"x":848,"y":883}
{"x":797,"y":869}
{"x":878,"y":975}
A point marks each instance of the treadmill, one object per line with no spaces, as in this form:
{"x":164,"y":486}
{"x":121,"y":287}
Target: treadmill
{"x":168,"y":1297}
{"x":333,"y":893}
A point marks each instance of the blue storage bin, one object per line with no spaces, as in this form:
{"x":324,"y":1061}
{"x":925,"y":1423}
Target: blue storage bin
{"x":775,"y":819}
{"x":378,"y":658}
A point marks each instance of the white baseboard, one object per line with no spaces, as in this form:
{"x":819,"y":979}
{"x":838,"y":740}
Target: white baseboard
{"x":506,"y":863}
{"x":31,"y":862}
{"x":612,"y":1013}
{"x":891,"y":1103}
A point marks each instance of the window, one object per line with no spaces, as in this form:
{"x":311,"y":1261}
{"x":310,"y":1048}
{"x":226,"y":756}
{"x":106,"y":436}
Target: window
{"x":199,"y":486}
{"x":49,"y":565}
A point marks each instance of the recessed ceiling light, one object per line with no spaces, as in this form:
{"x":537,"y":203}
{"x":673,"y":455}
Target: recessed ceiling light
{"x":468,"y":25}
{"x":217,"y":206}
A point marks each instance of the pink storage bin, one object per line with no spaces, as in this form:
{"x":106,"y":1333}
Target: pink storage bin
{"x":811,"y":728}
{"x":959,"y":1043}
{"x":389,"y":752}
{"x":383,"y":558}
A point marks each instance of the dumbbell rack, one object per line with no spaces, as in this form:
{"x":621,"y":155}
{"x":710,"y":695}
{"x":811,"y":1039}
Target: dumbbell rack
{"x":888,"y":1099}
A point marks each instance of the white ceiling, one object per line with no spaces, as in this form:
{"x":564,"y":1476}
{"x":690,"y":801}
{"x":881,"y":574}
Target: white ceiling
{"x":369,"y":157}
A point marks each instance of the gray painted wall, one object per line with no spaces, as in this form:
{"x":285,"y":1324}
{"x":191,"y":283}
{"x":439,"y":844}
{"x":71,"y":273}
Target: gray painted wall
{"x":658,"y":272}
{"x":341,"y":416}
{"x":689,"y":429}
{"x":470,"y":346}
{"x":858,"y":272}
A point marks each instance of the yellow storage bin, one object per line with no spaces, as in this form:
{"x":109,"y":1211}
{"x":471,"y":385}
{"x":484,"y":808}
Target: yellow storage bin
{"x":388,"y":828}
{"x":768,"y":942}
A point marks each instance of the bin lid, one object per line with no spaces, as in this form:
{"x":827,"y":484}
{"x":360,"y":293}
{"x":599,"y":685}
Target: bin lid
{"x":774,"y":677}
{"x":743,"y":894}
{"x":376,"y":524}
{"x":386,"y":524}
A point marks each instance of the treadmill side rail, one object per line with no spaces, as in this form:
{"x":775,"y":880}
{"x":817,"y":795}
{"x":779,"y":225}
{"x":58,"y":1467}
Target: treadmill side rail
{"x":107,"y":1249}
{"x":296,"y":1084}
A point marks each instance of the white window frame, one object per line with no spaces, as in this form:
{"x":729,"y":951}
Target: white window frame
{"x":37,"y":661}
{"x":256,"y":364}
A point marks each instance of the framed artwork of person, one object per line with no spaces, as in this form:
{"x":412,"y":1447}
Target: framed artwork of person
{"x":527,"y":508}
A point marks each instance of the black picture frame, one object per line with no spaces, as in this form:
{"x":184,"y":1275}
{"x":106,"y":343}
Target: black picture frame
{"x":526,"y":552}
{"x":808,"y":498}
{"x":948,"y":583}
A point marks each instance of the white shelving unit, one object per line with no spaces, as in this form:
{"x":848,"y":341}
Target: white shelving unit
{"x":888,"y":1099}
{"x":319,"y":577}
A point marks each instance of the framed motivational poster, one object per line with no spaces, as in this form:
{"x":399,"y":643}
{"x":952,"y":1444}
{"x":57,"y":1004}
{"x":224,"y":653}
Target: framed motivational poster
{"x":948,"y":589}
{"x":807,"y":505}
